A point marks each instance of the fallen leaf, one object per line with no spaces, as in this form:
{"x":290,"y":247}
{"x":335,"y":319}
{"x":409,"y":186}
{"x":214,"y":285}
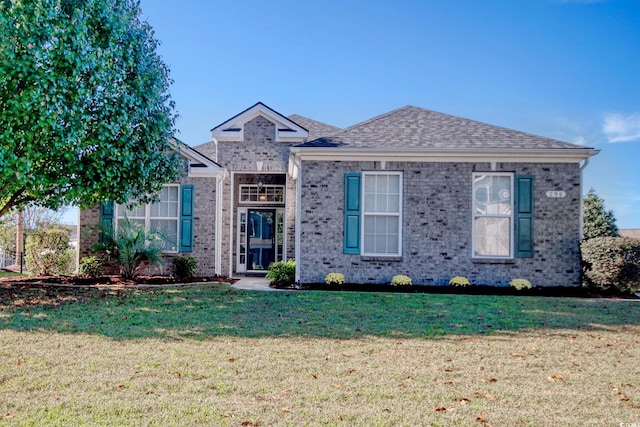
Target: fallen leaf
{"x":350,"y":371}
{"x":624,"y":398}
{"x":441,"y":409}
{"x":492,"y":380}
{"x":9,"y":415}
{"x":314,"y":376}
{"x":463,"y":400}
{"x":249,"y":424}
{"x":386,"y":410}
{"x":554,"y":378}
{"x":227,"y":415}
{"x":490,"y":396}
{"x":448,"y":383}
{"x":285,"y":409}
{"x":481,"y":420}
{"x":231,"y":359}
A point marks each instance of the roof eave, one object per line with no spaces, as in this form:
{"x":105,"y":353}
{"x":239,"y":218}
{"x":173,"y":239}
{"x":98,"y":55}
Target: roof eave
{"x":555,"y":155}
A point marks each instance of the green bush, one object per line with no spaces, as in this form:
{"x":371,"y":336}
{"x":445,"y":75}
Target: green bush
{"x":131,"y":246}
{"x":611,"y":263}
{"x":282,"y":273}
{"x":520,"y":284}
{"x":334,"y":279}
{"x":47,"y":252}
{"x":185,"y":267}
{"x":459,"y":281}
{"x":401,"y":280}
{"x":92,"y":266}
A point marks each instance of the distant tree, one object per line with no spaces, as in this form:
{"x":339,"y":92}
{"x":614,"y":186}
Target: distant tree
{"x":597,"y":221}
{"x":85,"y":109}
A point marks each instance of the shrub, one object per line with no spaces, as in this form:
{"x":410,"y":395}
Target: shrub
{"x":334,"y":279}
{"x":611,"y":263}
{"x":46,"y":252}
{"x":92,"y":266}
{"x":401,"y":280}
{"x":459,"y":281}
{"x":520,"y":284}
{"x":184,"y":267}
{"x":282,"y":273}
{"x":131,"y":246}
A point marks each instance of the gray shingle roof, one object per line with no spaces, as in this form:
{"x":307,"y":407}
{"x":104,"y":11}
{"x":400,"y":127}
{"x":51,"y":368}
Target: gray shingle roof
{"x":412,"y":127}
{"x":316,"y":129}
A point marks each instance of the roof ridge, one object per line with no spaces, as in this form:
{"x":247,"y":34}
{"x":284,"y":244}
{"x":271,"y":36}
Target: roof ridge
{"x":371,"y":120}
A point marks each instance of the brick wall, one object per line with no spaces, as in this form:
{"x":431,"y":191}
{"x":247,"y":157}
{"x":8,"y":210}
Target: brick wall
{"x":203,"y":228}
{"x":239,"y":158}
{"x":437,"y":226}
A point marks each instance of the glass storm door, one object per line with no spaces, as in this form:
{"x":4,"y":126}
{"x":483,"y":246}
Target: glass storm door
{"x":260,"y":238}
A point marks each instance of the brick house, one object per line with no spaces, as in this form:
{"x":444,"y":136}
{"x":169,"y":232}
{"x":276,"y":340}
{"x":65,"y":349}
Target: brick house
{"x":411,"y":192}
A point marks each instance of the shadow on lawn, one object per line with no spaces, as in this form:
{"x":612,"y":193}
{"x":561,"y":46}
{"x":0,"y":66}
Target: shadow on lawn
{"x":203,"y":312}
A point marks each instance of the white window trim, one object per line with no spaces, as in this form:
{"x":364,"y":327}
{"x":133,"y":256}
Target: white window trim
{"x":511,"y":216}
{"x":147,"y":217}
{"x":363,"y":214}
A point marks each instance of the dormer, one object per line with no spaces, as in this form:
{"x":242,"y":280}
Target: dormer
{"x":233,"y":129}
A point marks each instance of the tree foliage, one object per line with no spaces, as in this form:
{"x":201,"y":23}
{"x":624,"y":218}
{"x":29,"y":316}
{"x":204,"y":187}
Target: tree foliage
{"x":597,"y":221}
{"x":85,"y":109}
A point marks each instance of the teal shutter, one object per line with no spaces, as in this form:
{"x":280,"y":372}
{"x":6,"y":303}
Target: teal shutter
{"x":106,"y":220}
{"x":524,"y":216}
{"x":352,"y":213}
{"x":186,"y":218}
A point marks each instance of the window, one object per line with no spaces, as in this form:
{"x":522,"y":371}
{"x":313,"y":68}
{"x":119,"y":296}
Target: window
{"x":381,"y":213}
{"x":162,"y":216}
{"x":493,"y":215}
{"x":261,"y":193}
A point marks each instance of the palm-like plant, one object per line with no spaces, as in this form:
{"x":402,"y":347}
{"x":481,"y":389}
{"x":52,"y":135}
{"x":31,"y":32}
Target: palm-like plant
{"x":130,"y":246}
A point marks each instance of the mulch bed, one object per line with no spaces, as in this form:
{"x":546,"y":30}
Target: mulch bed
{"x":108,"y":281}
{"x":551,"y":291}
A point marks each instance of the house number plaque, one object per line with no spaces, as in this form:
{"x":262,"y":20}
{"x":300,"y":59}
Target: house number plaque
{"x":556,"y":194}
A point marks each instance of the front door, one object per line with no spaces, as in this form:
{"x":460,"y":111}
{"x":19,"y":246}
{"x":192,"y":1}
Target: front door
{"x":261,"y":235}
{"x":260,"y":238}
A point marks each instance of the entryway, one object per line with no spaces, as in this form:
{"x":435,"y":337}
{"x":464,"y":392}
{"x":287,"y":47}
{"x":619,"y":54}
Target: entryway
{"x":260,"y":238}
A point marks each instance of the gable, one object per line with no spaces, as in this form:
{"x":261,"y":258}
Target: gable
{"x":198,"y":164}
{"x":286,"y":130}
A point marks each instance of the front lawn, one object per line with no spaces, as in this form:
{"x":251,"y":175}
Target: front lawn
{"x":212,"y":355}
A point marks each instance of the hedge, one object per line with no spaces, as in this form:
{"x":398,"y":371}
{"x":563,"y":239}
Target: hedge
{"x":611,"y":263}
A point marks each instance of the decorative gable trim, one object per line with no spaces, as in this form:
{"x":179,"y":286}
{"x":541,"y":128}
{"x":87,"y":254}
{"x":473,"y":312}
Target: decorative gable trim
{"x":233,"y":129}
{"x":199,"y":165}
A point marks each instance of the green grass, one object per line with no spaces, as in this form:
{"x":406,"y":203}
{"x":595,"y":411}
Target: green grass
{"x":211,"y":355}
{"x":9,"y":274}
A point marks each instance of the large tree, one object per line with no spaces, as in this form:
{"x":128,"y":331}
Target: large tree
{"x":85,"y":109}
{"x":598,"y":222}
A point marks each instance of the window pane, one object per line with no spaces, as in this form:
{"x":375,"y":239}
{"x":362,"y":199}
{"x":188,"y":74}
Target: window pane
{"x":492,"y":195}
{"x":381,"y":234}
{"x":492,"y":236}
{"x":168,"y":230}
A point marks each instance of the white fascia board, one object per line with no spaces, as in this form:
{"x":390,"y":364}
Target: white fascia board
{"x":295,"y":134}
{"x":560,"y":155}
{"x":210,"y":168}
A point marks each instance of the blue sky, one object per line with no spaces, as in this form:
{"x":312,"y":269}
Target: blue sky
{"x":565,"y":69}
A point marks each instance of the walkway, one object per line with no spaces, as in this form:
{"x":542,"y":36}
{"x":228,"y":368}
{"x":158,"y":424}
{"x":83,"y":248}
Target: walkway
{"x":253,"y":283}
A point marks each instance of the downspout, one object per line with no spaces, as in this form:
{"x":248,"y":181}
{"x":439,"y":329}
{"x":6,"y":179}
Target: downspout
{"x":231,"y":241}
{"x":218,"y":226}
{"x":582,"y":168}
{"x":298,"y":222}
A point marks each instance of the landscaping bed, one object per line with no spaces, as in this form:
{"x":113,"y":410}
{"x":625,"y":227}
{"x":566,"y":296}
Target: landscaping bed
{"x":110,"y":280}
{"x":548,"y":291}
